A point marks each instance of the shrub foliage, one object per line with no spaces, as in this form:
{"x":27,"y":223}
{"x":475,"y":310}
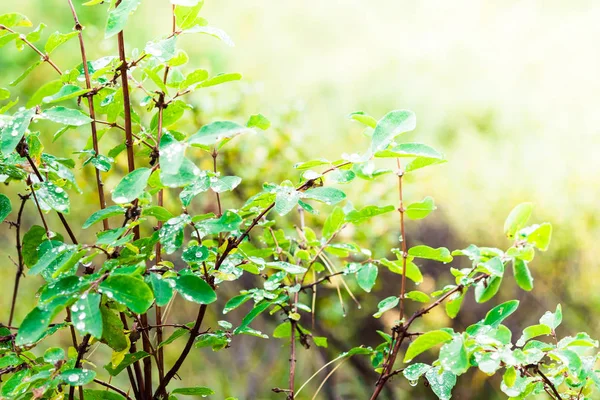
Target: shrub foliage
{"x":116,"y":289}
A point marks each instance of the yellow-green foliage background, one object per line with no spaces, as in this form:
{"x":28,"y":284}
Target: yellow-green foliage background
{"x":506,"y":89}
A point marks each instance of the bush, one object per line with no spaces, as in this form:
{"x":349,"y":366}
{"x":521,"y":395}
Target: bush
{"x":116,"y":288}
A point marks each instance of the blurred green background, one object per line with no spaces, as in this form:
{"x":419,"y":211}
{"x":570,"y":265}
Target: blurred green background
{"x":504,"y":89}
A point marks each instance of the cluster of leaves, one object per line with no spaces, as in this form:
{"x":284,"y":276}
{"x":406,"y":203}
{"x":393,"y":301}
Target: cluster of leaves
{"x":102,"y":291}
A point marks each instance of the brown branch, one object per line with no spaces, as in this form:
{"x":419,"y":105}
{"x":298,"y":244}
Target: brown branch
{"x":403,"y":333}
{"x":81,"y":350}
{"x":138,"y":388}
{"x":60,"y":215}
{"x":90,"y":99}
{"x":147,"y":381}
{"x":323,"y":279}
{"x":44,"y":56}
{"x":186,"y":350}
{"x":548,"y":382}
{"x":113,"y":388}
{"x":20,"y":264}
{"x":403,"y":237}
{"x":214,"y":156}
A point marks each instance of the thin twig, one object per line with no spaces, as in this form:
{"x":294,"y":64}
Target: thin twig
{"x":20,"y":264}
{"x":113,"y":388}
{"x":90,"y":99}
{"x":45,"y":57}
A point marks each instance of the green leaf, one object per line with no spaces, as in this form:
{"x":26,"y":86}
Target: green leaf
{"x":158,"y":212}
{"x":258,"y":121}
{"x":187,"y":174}
{"x":493,"y":266}
{"x":255,"y":312}
{"x":195,"y":254}
{"x":112,"y":330}
{"x":228,"y":222}
{"x":311,"y":164}
{"x":441,"y":254}
{"x":540,"y":236}
{"x":163,"y":292}
{"x":12,"y":132}
{"x":453,"y":304}
{"x":441,"y":382}
{"x":217,"y":341}
{"x":367,"y":276}
{"x":533,"y":331}
{"x":425,"y":342}
{"x":235,"y":302}
{"x":49,"y":251}
{"x":193,"y":78}
{"x":221,"y":78}
{"x":386,"y":305}
{"x":14,"y":20}
{"x":484,"y":292}
{"x":98,"y":394}
{"x":225,"y":183}
{"x":16,"y":384}
{"x":176,"y":335}
{"x":171,"y":234}
{"x":131,"y":291}
{"x":499,"y":313}
{"x":103,"y":214}
{"x":366,"y":213}
{"x":31,"y":241}
{"x":86,"y":315}
{"x":569,"y":358}
{"x":334,"y":222}
{"x":418,"y":296}
{"x":391,"y":125}
{"x":212,"y":31}
{"x":5,"y":207}
{"x":163,"y":50}
{"x":286,"y":199}
{"x":522,"y":274}
{"x":54,"y":355}
{"x":422,"y":162}
{"x":131,"y":186}
{"x":4,"y":94}
{"x":412,"y":271}
{"x":420,"y":209}
{"x":53,"y":197}
{"x":34,"y":325}
{"x":517,"y":219}
{"x":66,"y":116}
{"x":552,"y":320}
{"x":411,"y":150}
{"x":364,"y":119}
{"x":195,"y":289}
{"x":117,"y":18}
{"x":215,"y":132}
{"x":287,"y":267}
{"x":127,"y":361}
{"x":202,"y":184}
{"x":187,"y":11}
{"x":194,"y":391}
{"x":415,"y":371}
{"x":57,"y":39}
{"x":453,"y":356}
{"x":66,"y":92}
{"x":327,"y":195}
{"x":77,"y":376}
{"x":36,"y":34}
{"x":171,"y":153}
